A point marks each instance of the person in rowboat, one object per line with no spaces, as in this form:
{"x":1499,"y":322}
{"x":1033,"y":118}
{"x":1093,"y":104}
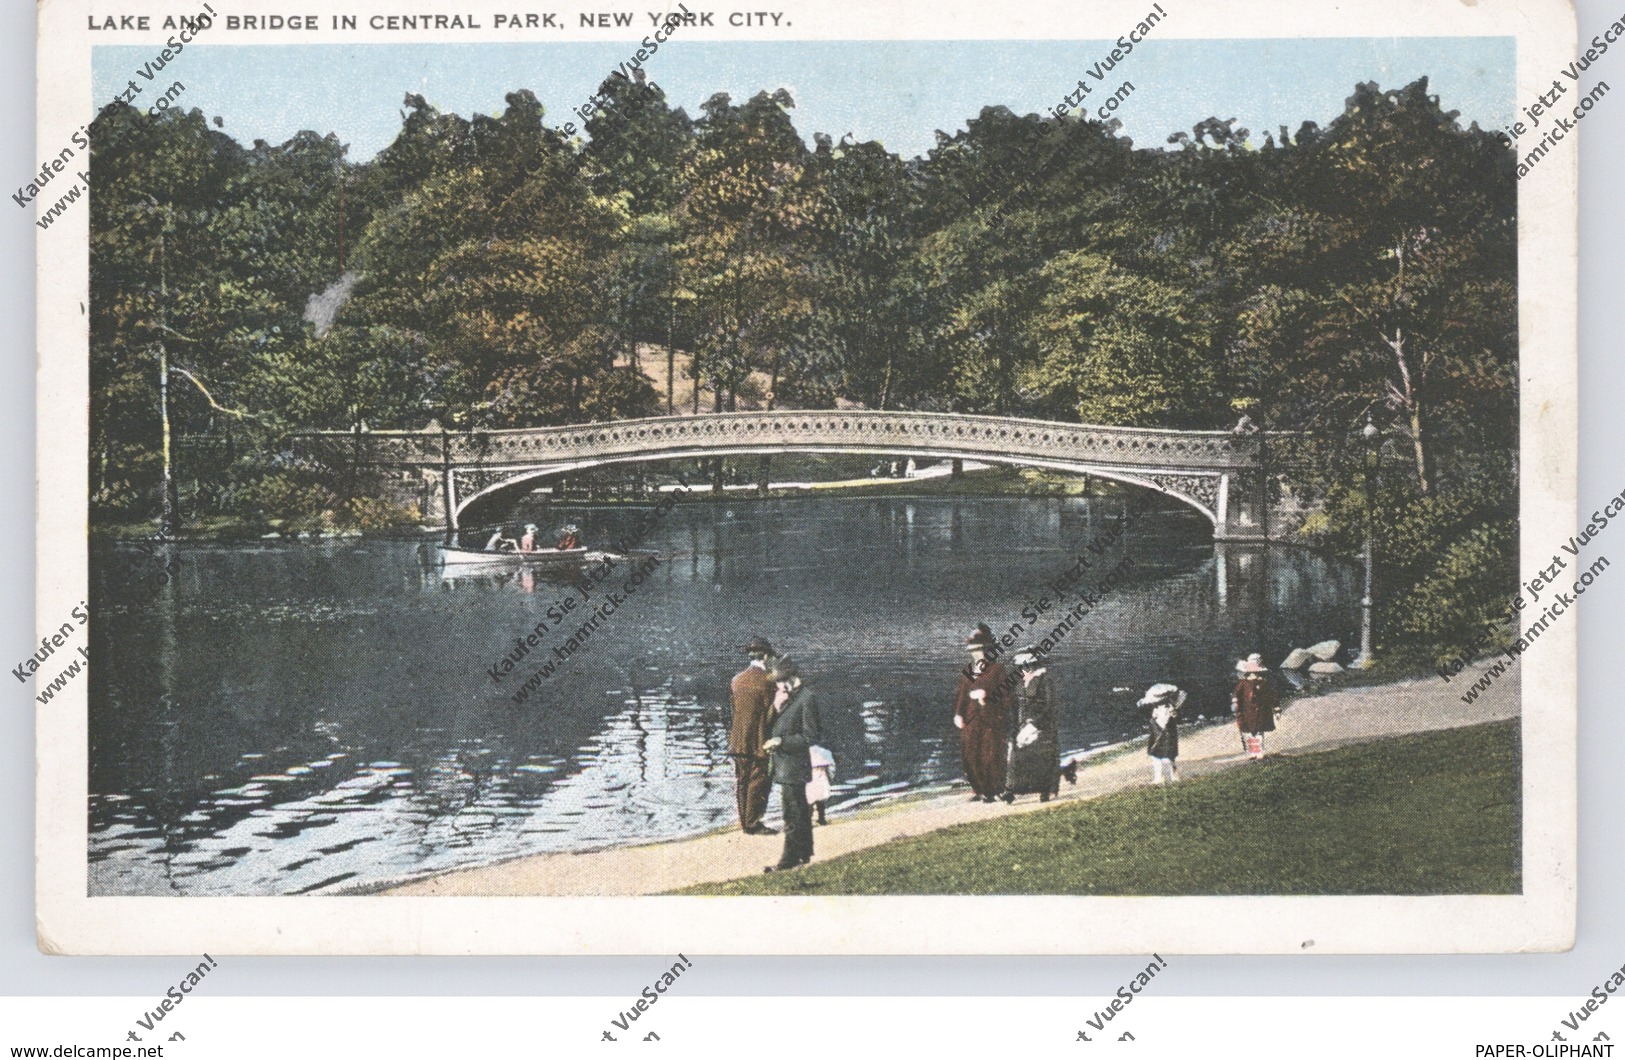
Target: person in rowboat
{"x":527,"y":543}
{"x":569,"y":537}
{"x":498,"y":543}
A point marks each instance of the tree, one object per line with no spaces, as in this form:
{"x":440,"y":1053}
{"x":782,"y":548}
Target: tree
{"x":497,"y":268}
{"x":751,"y":212}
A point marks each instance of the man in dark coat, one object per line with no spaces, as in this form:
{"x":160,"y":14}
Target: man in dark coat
{"x":982,"y":713}
{"x":795,"y":730}
{"x":752,"y":718}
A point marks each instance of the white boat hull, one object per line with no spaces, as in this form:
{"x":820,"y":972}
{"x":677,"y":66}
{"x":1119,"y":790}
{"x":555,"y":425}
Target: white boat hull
{"x":548,"y":557}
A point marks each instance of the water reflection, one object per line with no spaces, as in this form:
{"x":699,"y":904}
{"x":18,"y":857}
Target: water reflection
{"x":284,"y":720}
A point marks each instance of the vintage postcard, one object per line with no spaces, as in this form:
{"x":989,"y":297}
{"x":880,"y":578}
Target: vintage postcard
{"x":912,"y":478}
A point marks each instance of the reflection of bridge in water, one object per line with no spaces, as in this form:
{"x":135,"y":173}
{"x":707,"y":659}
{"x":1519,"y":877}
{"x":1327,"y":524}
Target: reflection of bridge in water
{"x":473,"y":477}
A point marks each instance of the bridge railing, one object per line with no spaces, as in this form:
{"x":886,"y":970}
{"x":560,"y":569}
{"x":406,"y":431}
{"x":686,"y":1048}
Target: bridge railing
{"x":866,"y":430}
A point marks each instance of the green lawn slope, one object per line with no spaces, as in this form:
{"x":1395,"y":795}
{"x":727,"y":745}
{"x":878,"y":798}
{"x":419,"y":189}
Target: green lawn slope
{"x":1436,"y":813}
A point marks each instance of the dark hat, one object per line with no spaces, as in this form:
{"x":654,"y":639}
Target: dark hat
{"x":783,"y":669}
{"x":757,"y":646}
{"x":982,"y":638}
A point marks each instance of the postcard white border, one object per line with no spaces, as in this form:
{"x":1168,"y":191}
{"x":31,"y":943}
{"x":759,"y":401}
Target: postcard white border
{"x":1541,"y":919}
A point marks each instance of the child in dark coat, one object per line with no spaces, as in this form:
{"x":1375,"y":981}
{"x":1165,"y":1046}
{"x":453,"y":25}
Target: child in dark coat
{"x":1163,"y":701}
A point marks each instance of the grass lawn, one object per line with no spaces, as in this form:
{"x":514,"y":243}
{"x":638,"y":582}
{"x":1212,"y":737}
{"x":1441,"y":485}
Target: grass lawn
{"x":1436,"y":813}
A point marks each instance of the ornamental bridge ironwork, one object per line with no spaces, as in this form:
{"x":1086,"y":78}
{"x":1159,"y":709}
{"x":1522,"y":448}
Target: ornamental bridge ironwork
{"x":1227,"y":476}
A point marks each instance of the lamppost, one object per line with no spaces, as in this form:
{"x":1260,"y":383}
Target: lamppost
{"x":1370,"y":435}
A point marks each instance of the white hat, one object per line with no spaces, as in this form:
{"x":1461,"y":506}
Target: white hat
{"x":1161,"y":693}
{"x":1253,"y":664}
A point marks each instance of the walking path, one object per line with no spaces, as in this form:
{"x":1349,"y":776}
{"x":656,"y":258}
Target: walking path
{"x":1345,"y":716}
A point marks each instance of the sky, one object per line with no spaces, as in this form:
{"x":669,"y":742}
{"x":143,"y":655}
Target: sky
{"x":897,"y":92}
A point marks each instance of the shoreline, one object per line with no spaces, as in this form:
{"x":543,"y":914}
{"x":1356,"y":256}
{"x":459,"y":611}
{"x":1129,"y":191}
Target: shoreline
{"x":1335,"y":718}
{"x":864,"y":808}
{"x":979,"y":480}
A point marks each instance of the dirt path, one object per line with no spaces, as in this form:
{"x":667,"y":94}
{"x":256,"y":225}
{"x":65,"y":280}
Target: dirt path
{"x":1330,"y":720}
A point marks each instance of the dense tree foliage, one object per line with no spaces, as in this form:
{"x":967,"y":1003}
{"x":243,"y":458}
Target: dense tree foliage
{"x":490,"y":272}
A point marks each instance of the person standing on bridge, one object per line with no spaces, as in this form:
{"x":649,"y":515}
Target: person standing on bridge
{"x":752,"y":691}
{"x":981,"y":713}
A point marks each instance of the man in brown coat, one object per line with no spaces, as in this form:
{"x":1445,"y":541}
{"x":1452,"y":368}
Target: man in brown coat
{"x":752,"y":722}
{"x":982,"y":715}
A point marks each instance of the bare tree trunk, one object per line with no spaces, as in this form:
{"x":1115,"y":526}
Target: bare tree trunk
{"x":1419,"y":449}
{"x":773,"y":381}
{"x":1405,"y":396}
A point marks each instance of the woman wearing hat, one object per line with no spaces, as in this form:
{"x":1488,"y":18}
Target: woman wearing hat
{"x":527,"y":543}
{"x":569,"y":537}
{"x":981,"y":713}
{"x":1163,"y":701}
{"x":1035,"y":746}
{"x":1254,"y":701}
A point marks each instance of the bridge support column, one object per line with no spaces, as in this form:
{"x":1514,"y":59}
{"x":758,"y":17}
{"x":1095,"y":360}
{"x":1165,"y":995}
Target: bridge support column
{"x":1243,"y":514}
{"x":448,"y":480}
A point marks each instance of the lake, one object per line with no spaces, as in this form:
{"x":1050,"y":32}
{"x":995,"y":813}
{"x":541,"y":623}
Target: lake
{"x":293,"y":718}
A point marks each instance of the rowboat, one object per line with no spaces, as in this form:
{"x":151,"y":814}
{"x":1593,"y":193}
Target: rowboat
{"x":545,"y":557}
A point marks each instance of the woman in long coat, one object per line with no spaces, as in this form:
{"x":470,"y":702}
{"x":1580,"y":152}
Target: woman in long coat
{"x":982,"y":715}
{"x":1035,"y":765}
{"x":1254,"y":701}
